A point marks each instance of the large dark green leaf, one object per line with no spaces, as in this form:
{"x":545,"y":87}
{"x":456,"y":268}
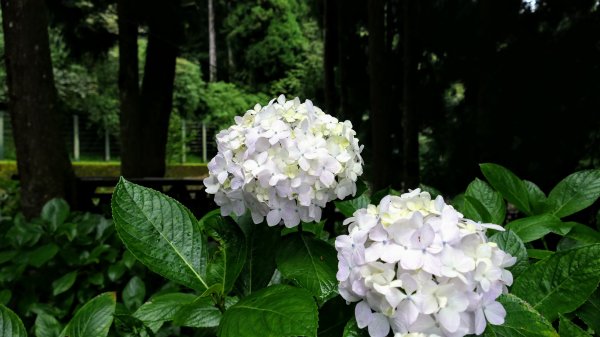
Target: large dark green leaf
{"x":509,"y":242}
{"x":10,"y":324}
{"x":201,"y":313}
{"x":567,"y":328}
{"x":278,"y":310}
{"x":93,"y":319}
{"x":537,"y":226}
{"x":56,"y":212}
{"x":521,"y":321}
{"x":491,"y":201}
{"x":134,"y":293}
{"x":562,"y":282}
{"x":64,"y":283}
{"x":590,"y":311}
{"x":228,"y":259}
{"x":512,"y":188}
{"x":162,"y":308}
{"x":262,"y":241}
{"x":310,"y":263}
{"x":47,"y":326}
{"x":161,"y":233}
{"x":574,"y":193}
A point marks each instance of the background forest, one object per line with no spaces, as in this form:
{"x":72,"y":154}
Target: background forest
{"x":433,"y":87}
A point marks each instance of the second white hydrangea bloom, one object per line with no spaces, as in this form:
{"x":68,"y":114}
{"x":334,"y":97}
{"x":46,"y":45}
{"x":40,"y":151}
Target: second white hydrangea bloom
{"x":418,"y":268}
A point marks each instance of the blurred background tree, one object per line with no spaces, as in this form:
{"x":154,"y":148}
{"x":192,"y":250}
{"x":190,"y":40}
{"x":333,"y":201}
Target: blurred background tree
{"x":433,"y":87}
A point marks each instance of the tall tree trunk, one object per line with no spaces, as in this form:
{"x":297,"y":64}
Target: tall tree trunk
{"x":352,"y":73}
{"x":44,"y":167}
{"x":212,"y":44}
{"x":380,"y":118}
{"x":132,"y":147}
{"x":410,"y":117}
{"x":145,"y":115}
{"x":157,"y":87}
{"x":330,"y":56}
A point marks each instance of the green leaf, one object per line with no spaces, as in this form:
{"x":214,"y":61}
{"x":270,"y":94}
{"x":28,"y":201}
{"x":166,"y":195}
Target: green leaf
{"x":228,"y":260}
{"x":310,"y":263}
{"x":201,"y":313}
{"x":56,"y":212}
{"x":509,"y":242}
{"x":5,"y":296}
{"x":278,"y":310}
{"x":562,"y":282}
{"x":47,"y":326}
{"x":134,"y":293}
{"x":64,"y":283}
{"x":115,"y":271}
{"x":474,"y":210}
{"x":162,"y":308}
{"x":10,"y":323}
{"x":43,"y":254}
{"x":348,"y":207}
{"x":590,"y":311}
{"x":539,"y":254}
{"x":262,"y":241}
{"x":512,"y":188}
{"x":160,"y":233}
{"x":490,"y":200}
{"x":583,"y":233}
{"x":352,"y":330}
{"x":8,"y":255}
{"x":579,"y":235}
{"x":567,"y":328}
{"x":537,"y":198}
{"x":536,"y":227}
{"x":93,"y":319}
{"x":521,"y":320}
{"x":574,"y":193}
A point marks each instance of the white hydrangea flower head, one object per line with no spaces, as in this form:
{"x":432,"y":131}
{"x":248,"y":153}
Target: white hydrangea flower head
{"x":417,"y":267}
{"x":284,"y":161}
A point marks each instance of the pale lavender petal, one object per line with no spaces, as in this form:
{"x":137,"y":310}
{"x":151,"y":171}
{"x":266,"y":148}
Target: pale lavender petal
{"x":379,"y":326}
{"x":495,"y":313}
{"x":273,"y":217}
{"x":363,"y":314}
{"x":449,"y":319}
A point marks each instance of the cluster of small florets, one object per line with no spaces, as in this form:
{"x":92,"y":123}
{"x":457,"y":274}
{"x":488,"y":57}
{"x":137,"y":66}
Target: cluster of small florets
{"x":418,"y":267}
{"x":284,"y":161}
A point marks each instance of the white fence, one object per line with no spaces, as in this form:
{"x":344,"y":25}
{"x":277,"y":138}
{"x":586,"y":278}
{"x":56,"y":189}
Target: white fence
{"x":86,"y":141}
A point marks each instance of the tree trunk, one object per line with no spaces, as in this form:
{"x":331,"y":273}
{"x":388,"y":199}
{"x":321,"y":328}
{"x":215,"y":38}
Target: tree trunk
{"x":132,"y":154}
{"x":330,"y":56}
{"x":212,"y":44}
{"x":157,"y":87}
{"x":44,"y":167}
{"x":380,"y":118}
{"x":410,"y":117}
{"x":352,"y":72}
{"x":145,"y":115}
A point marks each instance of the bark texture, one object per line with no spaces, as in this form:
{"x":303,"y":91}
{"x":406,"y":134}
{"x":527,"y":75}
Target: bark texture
{"x":44,"y":167}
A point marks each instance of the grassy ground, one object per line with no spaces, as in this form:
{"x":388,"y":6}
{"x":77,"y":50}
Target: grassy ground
{"x":111,"y":169}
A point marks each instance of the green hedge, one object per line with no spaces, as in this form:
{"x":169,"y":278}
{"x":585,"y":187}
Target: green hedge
{"x":111,"y":169}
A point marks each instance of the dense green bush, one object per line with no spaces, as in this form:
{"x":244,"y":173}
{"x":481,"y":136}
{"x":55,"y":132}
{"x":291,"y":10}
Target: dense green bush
{"x":230,"y":283}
